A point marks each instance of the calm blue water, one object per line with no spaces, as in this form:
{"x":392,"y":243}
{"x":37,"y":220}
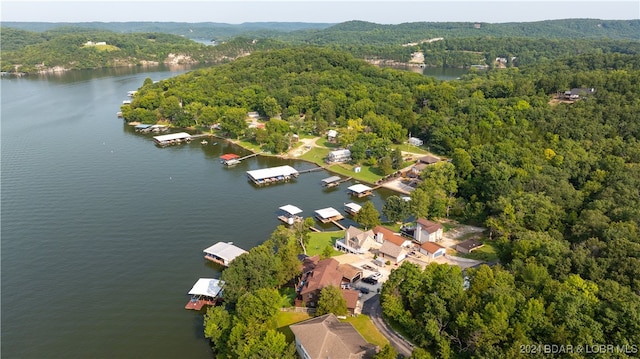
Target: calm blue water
{"x":102,"y":232}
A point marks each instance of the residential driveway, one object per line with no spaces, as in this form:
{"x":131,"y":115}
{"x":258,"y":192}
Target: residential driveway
{"x":372,"y":308}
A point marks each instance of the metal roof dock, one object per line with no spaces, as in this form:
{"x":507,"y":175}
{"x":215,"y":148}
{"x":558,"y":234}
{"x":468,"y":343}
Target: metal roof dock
{"x":290,"y":214}
{"x":205,"y":291}
{"x":172,"y":139}
{"x":328,"y":214}
{"x":352,"y":208}
{"x":223,"y":253}
{"x":272,"y":175}
{"x":360,"y":190}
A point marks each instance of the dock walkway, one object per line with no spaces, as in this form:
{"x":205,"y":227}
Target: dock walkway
{"x":338,"y":225}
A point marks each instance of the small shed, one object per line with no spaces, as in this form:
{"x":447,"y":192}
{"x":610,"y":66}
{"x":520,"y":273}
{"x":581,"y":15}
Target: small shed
{"x":332,"y":135}
{"x":468,"y":246}
{"x":415,"y":141}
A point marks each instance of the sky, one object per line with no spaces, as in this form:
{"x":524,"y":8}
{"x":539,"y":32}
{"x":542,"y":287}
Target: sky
{"x":381,"y":12}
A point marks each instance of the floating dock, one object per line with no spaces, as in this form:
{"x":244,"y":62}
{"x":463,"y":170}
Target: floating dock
{"x":327,"y":215}
{"x":290,"y":215}
{"x":223,"y":253}
{"x":206,"y":291}
{"x":331,"y":181}
{"x":272,"y":175}
{"x":360,"y":190}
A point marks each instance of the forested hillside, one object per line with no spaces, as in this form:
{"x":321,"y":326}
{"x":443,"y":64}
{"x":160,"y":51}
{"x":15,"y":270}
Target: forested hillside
{"x":77,"y":49}
{"x":556,"y":183}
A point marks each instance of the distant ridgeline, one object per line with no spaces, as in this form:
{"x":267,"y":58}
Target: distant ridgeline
{"x":459,"y":44}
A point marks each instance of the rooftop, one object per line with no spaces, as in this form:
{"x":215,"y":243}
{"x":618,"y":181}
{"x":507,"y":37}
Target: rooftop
{"x":225,"y":250}
{"x":359,"y":188}
{"x":428,"y":225}
{"x":272,"y":172}
{"x":327,"y":337}
{"x":291,"y":209}
{"x":328,"y":212}
{"x":207,"y":286}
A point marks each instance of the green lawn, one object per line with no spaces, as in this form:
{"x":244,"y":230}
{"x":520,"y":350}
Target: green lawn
{"x":285,"y":319}
{"x":316,"y":155}
{"x":487,"y":253}
{"x":367,"y":174}
{"x":367,"y":329}
{"x":320,"y":240}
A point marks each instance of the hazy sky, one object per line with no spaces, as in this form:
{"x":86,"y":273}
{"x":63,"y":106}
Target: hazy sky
{"x":382,"y":12}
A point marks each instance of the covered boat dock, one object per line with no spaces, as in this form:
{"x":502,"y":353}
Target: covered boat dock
{"x":229,"y":159}
{"x":172,"y":139}
{"x":331,"y":181}
{"x":223,"y":253}
{"x":352,"y":208}
{"x":360,"y":190}
{"x":290,"y":214}
{"x":272,"y":175}
{"x":206,"y":291}
{"x":328,"y":214}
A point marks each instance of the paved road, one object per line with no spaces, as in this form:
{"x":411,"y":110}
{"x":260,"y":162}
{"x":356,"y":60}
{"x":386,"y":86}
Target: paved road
{"x":372,"y":308}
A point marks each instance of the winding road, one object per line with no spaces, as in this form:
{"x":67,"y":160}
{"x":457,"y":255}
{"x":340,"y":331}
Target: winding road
{"x":372,"y":308}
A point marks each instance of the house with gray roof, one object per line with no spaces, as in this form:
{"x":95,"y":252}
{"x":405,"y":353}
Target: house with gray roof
{"x":326,"y":337}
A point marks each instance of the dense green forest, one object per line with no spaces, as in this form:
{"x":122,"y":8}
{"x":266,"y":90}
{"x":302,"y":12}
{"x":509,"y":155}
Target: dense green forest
{"x":28,"y":52}
{"x":557,"y":184}
{"x":462,"y":44}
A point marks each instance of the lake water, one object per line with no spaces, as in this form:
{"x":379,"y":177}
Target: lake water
{"x":102,"y":232}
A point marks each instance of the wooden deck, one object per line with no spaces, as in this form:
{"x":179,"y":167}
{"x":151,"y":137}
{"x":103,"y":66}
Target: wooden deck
{"x":329,"y":220}
{"x":198,"y":304}
{"x":338,"y":225}
{"x":285,"y":219}
{"x":215,"y":260}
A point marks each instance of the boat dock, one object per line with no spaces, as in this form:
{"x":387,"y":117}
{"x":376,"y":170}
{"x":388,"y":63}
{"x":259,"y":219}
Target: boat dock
{"x":223,"y":253}
{"x":271,"y":175}
{"x":352,"y":208}
{"x":338,"y":224}
{"x":290,"y":215}
{"x":360,"y":190}
{"x":327,"y":215}
{"x":206,"y":291}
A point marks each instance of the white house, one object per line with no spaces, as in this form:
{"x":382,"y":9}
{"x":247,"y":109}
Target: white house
{"x":339,"y":156}
{"x":332,"y":135}
{"x":428,"y":231}
{"x":415,"y":141}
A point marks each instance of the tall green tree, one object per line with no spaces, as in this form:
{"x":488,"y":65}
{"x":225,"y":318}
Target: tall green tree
{"x":396,"y":209}
{"x":331,"y":301}
{"x":368,"y":216}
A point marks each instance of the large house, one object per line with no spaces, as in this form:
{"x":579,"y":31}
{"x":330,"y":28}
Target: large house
{"x":318,"y":274}
{"x":339,"y":156}
{"x":326,"y":337}
{"x":577,"y":93}
{"x":356,"y":240}
{"x":427,"y":231}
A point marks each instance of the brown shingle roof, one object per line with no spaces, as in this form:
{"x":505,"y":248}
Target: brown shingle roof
{"x":428,"y":225}
{"x":428,"y":159}
{"x":431,"y":247}
{"x":351,"y":297}
{"x":325,"y":273}
{"x":348,"y":271}
{"x":470,"y":244}
{"x":327,"y":337}
{"x":388,"y":235}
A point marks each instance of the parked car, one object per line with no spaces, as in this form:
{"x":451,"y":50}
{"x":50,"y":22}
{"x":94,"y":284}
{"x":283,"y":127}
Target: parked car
{"x":364,"y":290}
{"x":370,"y":280}
{"x":376,"y":276}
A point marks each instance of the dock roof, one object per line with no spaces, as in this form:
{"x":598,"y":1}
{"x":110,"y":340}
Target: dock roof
{"x":229,"y":156}
{"x":172,"y":136}
{"x":272,"y":172}
{"x":225,"y":251}
{"x":291,"y":209}
{"x":331,"y":179}
{"x":207,"y":286}
{"x":354,"y":207}
{"x":359,"y":188}
{"x":327,"y":212}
